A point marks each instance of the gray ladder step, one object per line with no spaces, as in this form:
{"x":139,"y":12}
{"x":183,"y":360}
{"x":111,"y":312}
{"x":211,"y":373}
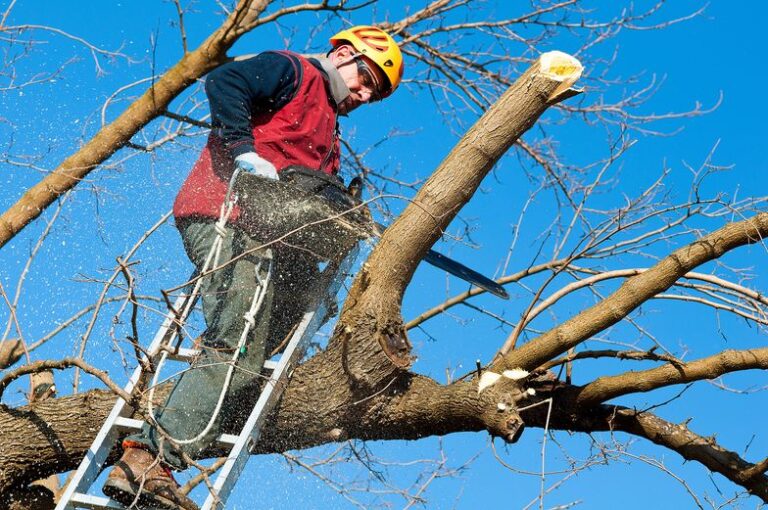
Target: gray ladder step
{"x":186,"y":354}
{"x":80,"y":500}
{"x":124,"y":424}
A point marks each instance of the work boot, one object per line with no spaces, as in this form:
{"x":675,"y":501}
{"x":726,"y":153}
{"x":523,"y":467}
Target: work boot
{"x":138,"y":471}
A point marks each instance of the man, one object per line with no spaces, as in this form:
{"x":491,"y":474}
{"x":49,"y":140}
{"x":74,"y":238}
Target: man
{"x":270,"y":112}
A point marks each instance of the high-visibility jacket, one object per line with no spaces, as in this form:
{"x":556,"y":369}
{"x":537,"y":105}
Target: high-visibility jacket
{"x":299,"y":127}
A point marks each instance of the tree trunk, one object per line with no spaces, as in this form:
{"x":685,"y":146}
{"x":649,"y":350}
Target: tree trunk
{"x":53,"y":436}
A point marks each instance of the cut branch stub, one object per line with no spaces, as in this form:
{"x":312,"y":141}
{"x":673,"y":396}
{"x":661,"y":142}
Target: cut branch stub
{"x":499,"y":404}
{"x":10,"y":352}
{"x":562,"y":68}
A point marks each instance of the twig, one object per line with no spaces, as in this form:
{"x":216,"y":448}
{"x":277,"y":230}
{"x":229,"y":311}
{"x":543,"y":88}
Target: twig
{"x":64,"y":363}
{"x":105,"y":289}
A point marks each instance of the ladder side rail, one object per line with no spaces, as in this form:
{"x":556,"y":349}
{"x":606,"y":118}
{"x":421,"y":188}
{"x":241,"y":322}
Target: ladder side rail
{"x":238,"y":456}
{"x":239,"y":453}
{"x":94,"y":459}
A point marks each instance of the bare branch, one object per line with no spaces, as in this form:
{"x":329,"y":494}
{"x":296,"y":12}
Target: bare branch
{"x":112,"y":137}
{"x":679,"y":438}
{"x":607,"y":388}
{"x":61,"y":364}
{"x":108,"y":286}
{"x":609,"y":353}
{"x":634,"y":292}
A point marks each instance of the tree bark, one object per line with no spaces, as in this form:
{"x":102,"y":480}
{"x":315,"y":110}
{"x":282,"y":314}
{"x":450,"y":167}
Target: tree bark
{"x":53,"y":436}
{"x":11,"y":351}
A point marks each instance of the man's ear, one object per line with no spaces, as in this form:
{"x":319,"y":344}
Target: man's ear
{"x":344,"y":49}
{"x":341,"y":52}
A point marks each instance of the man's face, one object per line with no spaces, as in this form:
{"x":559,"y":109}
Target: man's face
{"x":363,"y":78}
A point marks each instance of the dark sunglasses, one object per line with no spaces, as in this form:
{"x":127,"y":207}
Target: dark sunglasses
{"x":368,"y":79}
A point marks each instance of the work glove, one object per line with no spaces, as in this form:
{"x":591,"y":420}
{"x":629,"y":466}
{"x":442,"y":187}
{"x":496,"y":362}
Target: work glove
{"x":254,"y":164}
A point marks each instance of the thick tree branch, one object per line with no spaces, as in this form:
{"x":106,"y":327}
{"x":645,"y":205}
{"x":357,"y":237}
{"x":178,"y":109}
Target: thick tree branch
{"x":11,"y":351}
{"x":379,"y":346}
{"x":459,"y":175}
{"x":192,"y":66}
{"x":54,"y":435}
{"x":606,"y":388}
{"x":633,"y":293}
{"x":51,"y":437}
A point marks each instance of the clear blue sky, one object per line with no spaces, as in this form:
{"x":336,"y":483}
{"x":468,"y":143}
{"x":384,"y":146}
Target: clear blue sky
{"x":718,"y":52}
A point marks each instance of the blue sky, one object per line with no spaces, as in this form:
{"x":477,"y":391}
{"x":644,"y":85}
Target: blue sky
{"x":719,"y":52}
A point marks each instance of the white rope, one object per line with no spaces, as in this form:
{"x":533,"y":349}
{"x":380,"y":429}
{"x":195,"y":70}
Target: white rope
{"x":256,"y":302}
{"x":212,"y":260}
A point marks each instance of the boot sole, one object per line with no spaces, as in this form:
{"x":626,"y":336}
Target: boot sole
{"x":124,"y":492}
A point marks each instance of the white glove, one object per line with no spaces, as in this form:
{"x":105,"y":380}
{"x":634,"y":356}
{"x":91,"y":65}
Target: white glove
{"x":254,"y":164}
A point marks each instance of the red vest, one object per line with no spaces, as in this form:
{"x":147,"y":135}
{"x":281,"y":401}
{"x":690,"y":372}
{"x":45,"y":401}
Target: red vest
{"x":300,"y":133}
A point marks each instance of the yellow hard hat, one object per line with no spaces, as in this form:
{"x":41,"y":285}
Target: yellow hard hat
{"x":378,"y":46}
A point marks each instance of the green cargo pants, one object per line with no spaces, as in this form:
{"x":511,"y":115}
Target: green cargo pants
{"x":226,"y":297}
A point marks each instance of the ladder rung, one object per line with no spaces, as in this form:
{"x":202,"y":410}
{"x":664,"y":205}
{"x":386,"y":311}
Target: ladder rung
{"x":80,"y":500}
{"x":131,"y":424}
{"x":184,"y":354}
{"x":128,"y":424}
{"x":226,"y":440}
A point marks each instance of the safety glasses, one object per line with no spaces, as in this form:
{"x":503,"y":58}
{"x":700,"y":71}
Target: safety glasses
{"x":368,"y":78}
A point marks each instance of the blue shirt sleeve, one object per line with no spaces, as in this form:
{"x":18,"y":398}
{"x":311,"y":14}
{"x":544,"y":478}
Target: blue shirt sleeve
{"x":239,"y":90}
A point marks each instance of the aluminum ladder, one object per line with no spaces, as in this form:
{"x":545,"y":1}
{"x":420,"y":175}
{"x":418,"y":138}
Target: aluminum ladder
{"x":119,"y":421}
